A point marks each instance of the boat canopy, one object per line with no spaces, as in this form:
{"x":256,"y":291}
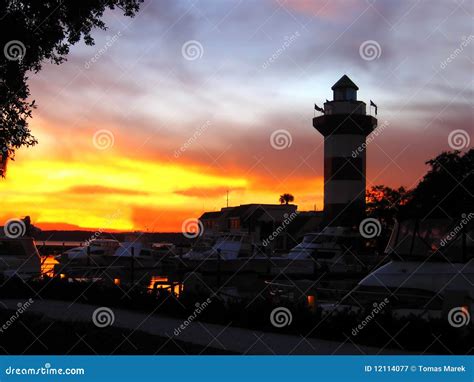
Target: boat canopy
{"x":433,"y":239}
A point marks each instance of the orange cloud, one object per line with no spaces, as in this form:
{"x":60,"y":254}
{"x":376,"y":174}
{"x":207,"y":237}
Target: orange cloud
{"x":95,"y":189}
{"x":161,"y":219}
{"x":205,"y":192}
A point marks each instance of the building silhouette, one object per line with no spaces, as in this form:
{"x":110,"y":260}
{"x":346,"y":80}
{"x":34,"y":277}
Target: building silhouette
{"x":259,"y":221}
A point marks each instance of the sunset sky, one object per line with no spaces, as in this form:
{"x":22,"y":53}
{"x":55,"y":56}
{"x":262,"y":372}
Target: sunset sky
{"x":139,"y":132}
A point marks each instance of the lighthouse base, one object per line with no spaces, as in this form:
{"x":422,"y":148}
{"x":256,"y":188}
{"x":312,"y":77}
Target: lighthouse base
{"x":344,"y":214}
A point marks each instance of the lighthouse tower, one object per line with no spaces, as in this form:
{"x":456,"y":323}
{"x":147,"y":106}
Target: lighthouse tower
{"x":345,"y":126}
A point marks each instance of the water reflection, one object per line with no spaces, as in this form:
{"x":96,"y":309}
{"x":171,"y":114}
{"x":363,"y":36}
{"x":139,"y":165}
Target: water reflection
{"x":47,"y":266}
{"x":160,"y":282}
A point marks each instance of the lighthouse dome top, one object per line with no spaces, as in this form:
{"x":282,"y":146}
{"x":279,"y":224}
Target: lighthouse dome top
{"x":344,"y":83}
{"x":345,"y":90}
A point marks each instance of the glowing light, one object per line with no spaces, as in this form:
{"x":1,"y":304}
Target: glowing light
{"x":164,"y":283}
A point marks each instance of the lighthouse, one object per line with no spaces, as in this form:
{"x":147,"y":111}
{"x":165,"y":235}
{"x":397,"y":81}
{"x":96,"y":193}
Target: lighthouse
{"x":345,"y":126}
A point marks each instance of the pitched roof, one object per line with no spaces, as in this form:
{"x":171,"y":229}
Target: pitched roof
{"x":344,"y":82}
{"x":211,"y":215}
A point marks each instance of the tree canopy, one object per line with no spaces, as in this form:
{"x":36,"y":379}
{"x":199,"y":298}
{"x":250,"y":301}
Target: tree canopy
{"x":33,"y":32}
{"x":384,"y":202}
{"x":286,"y":198}
{"x":446,"y":191}
{"x":447,"y":188}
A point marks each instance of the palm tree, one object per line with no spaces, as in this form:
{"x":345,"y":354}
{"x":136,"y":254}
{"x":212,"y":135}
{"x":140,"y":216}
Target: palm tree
{"x":286,"y":198}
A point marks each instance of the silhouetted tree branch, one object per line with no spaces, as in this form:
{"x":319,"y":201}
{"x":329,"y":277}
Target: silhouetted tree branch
{"x":33,"y":32}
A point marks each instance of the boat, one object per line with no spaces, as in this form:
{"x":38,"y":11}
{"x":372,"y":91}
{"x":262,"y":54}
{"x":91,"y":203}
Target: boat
{"x":114,"y":260}
{"x":201,"y":249}
{"x":19,"y":257}
{"x":163,"y":249}
{"x":144,"y":255}
{"x":95,"y":252}
{"x":231,"y":252}
{"x":226,"y":247}
{"x":335,"y":250}
{"x":431,"y":270}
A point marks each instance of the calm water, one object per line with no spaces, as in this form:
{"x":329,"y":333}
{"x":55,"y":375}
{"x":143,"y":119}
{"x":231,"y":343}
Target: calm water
{"x":47,"y":266}
{"x":120,"y":277}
